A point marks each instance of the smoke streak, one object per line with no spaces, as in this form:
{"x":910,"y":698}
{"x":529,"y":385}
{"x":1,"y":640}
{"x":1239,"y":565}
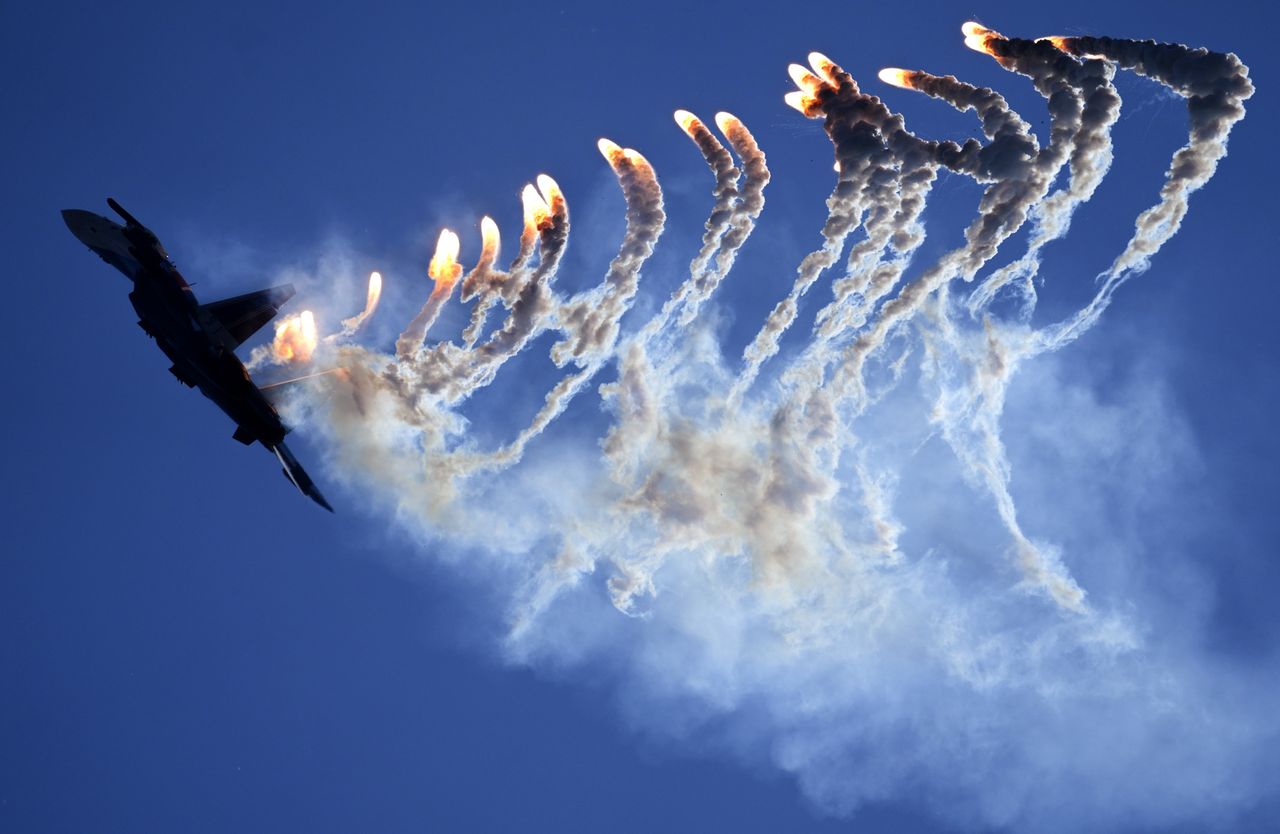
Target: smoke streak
{"x":483,"y":281}
{"x":1215,"y":85}
{"x":590,"y":323}
{"x":732,"y":218}
{"x":352,"y":325}
{"x":743,"y":220}
{"x":444,"y":270}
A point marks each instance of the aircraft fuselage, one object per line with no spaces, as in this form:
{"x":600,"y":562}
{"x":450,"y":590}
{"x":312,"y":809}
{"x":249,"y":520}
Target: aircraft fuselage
{"x":200,"y":339}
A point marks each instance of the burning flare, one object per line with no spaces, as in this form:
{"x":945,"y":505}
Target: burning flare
{"x":536,"y":210}
{"x":444,"y":267}
{"x":612,"y":152}
{"x":351,"y":325}
{"x":686,"y":120}
{"x":897,"y":77}
{"x":824,"y":67}
{"x":978,"y":37}
{"x":805,"y":80}
{"x":296,"y":338}
{"x":374,"y":294}
{"x":635,"y":157}
{"x":803,"y":102}
{"x":551,"y":194}
{"x":491,"y":242}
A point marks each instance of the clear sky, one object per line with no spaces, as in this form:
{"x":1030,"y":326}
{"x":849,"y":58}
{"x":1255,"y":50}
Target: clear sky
{"x":186,"y":644}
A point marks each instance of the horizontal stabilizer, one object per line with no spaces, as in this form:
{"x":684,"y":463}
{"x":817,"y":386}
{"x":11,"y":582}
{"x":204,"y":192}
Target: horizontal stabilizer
{"x":298,"y":476}
{"x":244,"y":315}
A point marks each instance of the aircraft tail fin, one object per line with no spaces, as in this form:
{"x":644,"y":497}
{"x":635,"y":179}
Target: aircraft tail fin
{"x":119,"y":209}
{"x":244,"y":315}
{"x":298,"y":476}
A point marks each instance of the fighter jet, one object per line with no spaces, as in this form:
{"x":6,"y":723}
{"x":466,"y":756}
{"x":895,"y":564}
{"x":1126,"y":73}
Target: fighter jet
{"x":200,"y":339}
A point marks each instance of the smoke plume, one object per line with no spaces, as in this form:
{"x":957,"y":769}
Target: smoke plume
{"x":824,"y":550}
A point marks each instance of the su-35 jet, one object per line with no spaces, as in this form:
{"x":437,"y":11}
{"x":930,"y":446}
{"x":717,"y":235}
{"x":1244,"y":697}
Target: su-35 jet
{"x":200,"y":339}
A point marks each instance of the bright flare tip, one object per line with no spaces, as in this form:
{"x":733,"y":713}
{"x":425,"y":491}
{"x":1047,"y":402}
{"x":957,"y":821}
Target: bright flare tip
{"x":448,"y":246}
{"x":804,"y":79}
{"x":799,"y":101}
{"x":490,"y":239}
{"x":610,"y":150}
{"x":726,"y":122}
{"x":375,"y":292}
{"x":550,"y":190}
{"x":296,"y":338}
{"x":896,"y":77}
{"x":444,"y":263}
{"x":824,"y":67}
{"x":535,"y":208}
{"x":978,"y":37}
{"x":686,"y":120}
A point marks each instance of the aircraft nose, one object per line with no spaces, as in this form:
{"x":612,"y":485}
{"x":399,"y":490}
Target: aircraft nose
{"x":77,"y":220}
{"x":85,"y":225}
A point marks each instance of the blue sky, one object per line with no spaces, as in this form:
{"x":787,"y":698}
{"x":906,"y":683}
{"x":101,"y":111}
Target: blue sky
{"x":189,"y":645}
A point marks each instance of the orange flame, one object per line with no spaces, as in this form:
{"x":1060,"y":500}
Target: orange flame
{"x":536,"y":210}
{"x":635,"y":158}
{"x":552,"y":196}
{"x":444,"y":267}
{"x":824,"y":67}
{"x":611,"y":151}
{"x":687,"y":121}
{"x":897,"y":77}
{"x":296,"y":338}
{"x":978,"y":37}
{"x":727,"y":122}
{"x":803,"y":102}
{"x":491,"y":241}
{"x":374,"y":294}
{"x":805,"y":80}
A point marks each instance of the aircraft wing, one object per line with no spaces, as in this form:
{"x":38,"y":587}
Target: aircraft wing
{"x":244,"y":315}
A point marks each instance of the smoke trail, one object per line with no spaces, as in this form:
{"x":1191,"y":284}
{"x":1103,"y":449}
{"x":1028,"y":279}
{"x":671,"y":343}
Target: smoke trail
{"x":1215,"y":85}
{"x":483,"y":281}
{"x":352,"y":325}
{"x":731,"y":221}
{"x":743,"y":220}
{"x":1090,"y":160}
{"x":645,"y":220}
{"x":717,"y":224}
{"x":860,"y":157}
{"x":445,"y":271}
{"x":725,"y":192}
{"x":455,"y":373}
{"x":1012,"y":144}
{"x":1002,"y":211}
{"x":590,"y":323}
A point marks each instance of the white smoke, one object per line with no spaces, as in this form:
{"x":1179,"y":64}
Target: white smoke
{"x":852,"y":568}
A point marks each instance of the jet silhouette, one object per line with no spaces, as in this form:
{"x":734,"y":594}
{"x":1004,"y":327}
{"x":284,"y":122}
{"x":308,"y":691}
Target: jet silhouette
{"x":200,"y":339}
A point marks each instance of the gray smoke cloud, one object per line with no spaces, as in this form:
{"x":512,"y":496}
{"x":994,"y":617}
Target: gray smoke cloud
{"x":835,"y":571}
